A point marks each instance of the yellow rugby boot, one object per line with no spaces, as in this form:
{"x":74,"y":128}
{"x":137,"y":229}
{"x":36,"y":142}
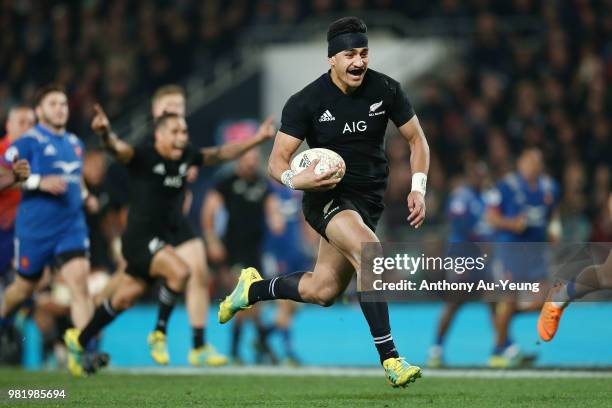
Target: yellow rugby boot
{"x":239,"y":298}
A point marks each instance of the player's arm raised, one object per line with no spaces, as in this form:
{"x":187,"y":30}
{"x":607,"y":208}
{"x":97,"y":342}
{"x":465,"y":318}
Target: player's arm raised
{"x":101,"y":127}
{"x":419,"y":163}
{"x":279,"y":169}
{"x":231,"y":151}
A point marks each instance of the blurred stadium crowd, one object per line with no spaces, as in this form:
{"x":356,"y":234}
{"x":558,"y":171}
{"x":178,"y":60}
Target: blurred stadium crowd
{"x":513,"y":87}
{"x":544,"y":84}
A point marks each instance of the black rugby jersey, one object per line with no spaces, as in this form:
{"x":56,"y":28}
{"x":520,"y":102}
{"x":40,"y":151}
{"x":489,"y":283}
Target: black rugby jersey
{"x":245,"y":204}
{"x":351,"y":125}
{"x":157,"y":185}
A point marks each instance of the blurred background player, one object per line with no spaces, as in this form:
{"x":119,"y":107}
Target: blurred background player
{"x":50,"y":227}
{"x":286,"y":252}
{"x":249,"y":205}
{"x":591,"y":279}
{"x":521,"y":208}
{"x":172,"y":99}
{"x":157,"y":230}
{"x":20,"y":119}
{"x":466,"y":217}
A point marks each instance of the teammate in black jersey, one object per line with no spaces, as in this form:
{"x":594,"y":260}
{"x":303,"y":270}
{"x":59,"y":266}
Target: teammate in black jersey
{"x":156,"y":227}
{"x":345,"y":110}
{"x":172,"y":99}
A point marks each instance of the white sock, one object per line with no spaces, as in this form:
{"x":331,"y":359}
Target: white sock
{"x":560,"y":298}
{"x":436,"y":351}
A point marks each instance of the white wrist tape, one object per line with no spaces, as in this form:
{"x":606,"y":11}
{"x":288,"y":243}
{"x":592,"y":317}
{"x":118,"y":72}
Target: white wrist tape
{"x":287,"y":177}
{"x":419,"y":182}
{"x":32,"y":182}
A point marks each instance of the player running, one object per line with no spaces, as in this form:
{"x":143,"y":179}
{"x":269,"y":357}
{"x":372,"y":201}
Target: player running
{"x":171,"y":99}
{"x":156,"y":231}
{"x":50,"y":225}
{"x":20,"y":119}
{"x":245,"y":194}
{"x":346,"y":110}
{"x":467,"y":226}
{"x":590,"y":279}
{"x":520,"y":208}
{"x":286,"y":253}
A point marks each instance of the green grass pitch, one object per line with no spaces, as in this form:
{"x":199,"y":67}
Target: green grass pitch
{"x":129,"y":390}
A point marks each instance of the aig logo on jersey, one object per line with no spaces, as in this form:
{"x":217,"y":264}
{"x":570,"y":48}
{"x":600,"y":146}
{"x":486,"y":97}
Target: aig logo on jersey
{"x":352,"y":127}
{"x":173,"y":181}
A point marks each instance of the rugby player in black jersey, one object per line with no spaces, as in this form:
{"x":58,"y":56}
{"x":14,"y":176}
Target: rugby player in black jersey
{"x":172,"y":99}
{"x":156,"y":227}
{"x":345,"y":110}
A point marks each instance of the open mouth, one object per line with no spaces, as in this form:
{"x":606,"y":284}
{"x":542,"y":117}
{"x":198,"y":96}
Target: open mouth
{"x":355,"y":73}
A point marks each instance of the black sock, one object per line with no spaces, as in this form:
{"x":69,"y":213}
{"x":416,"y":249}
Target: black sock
{"x":377,"y":315}
{"x":236,"y":334}
{"x":103,"y":315}
{"x":167,"y":299}
{"x":281,"y":287}
{"x":199,"y":337}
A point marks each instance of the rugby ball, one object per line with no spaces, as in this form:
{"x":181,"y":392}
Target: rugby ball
{"x":327,"y":159}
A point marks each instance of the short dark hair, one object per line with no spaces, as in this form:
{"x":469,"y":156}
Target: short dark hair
{"x":171,"y":89}
{"x":46,"y":90}
{"x":346,"y":25}
{"x":165,"y":117}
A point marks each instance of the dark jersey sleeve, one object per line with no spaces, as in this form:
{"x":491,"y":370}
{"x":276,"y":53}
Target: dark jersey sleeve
{"x":194,"y":156}
{"x":295,"y":120}
{"x":401,"y":111}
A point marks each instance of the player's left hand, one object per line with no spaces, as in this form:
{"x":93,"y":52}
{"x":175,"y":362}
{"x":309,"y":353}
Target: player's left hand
{"x":266,"y":130}
{"x":100,"y":123}
{"x":92,"y":204}
{"x":416,"y":207}
{"x":21,"y":170}
{"x":192,"y":174}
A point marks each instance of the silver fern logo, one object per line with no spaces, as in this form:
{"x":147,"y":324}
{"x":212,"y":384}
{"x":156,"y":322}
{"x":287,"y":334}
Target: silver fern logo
{"x":374,"y":107}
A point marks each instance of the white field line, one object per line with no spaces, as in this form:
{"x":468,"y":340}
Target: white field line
{"x":360,"y":372}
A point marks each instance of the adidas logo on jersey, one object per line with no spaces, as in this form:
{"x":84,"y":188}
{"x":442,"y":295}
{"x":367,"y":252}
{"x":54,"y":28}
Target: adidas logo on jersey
{"x":159,"y":169}
{"x":49,"y":151}
{"x":326,"y":117}
{"x":155,"y":245}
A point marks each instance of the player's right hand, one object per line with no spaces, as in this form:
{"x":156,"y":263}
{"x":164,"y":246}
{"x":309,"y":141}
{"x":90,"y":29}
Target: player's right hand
{"x":520,"y":224}
{"x":53,"y":184}
{"x":100,"y":123}
{"x":307,"y":180}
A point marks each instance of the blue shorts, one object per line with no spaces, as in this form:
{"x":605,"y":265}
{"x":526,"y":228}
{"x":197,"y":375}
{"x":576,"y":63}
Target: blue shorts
{"x":7,"y":250}
{"x":33,"y":254}
{"x":524,"y":262}
{"x":289,"y":262}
